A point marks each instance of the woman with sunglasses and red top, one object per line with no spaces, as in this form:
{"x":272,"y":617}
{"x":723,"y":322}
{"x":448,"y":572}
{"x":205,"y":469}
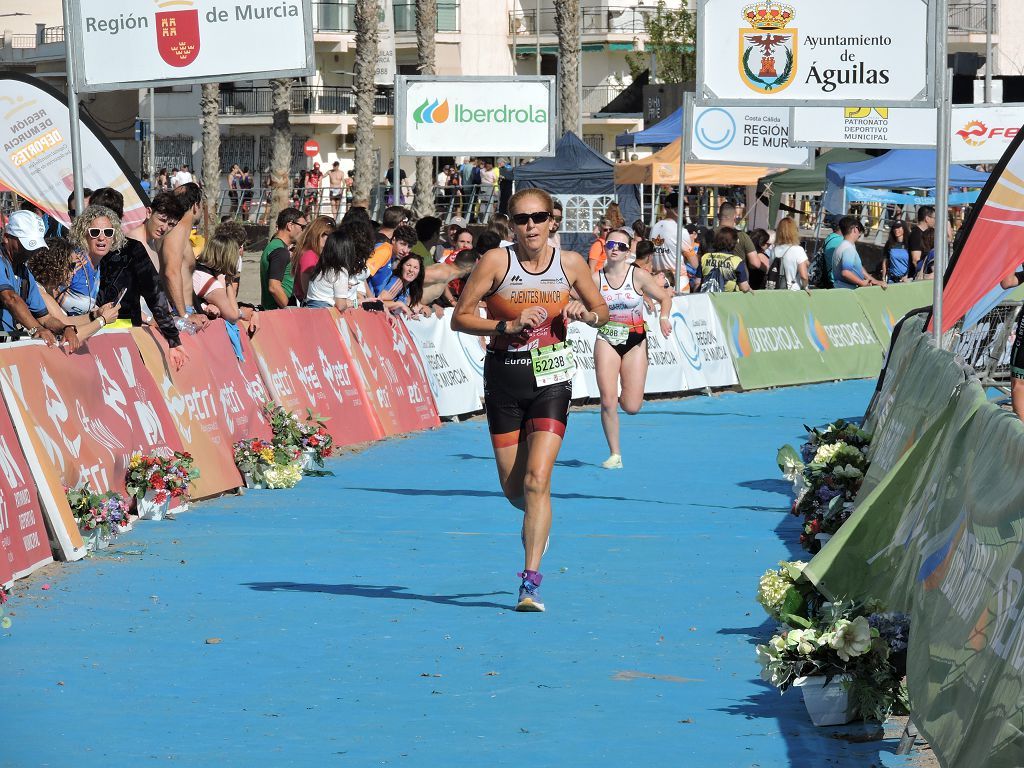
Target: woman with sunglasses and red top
{"x":620,"y":354}
{"x":529,"y":366}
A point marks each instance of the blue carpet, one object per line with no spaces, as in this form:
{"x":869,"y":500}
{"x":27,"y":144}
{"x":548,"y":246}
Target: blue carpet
{"x":364,"y":618}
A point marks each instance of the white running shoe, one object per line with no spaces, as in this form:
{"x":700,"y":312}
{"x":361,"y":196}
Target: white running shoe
{"x":612,"y":462}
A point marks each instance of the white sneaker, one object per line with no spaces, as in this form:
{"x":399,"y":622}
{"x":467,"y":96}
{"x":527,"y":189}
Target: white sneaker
{"x":612,"y":462}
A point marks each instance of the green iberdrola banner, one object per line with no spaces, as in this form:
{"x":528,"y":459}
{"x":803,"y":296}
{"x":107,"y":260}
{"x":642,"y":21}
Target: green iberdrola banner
{"x":884,"y":308}
{"x":779,"y":338}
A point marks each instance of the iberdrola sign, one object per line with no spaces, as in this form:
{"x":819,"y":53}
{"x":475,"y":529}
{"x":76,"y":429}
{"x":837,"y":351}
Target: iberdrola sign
{"x":481,"y":116}
{"x":799,"y":53}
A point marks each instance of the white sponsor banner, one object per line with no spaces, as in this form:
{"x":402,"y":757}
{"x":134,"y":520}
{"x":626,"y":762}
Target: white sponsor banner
{"x":455,"y":382}
{"x":476,"y":115}
{"x":583,"y":338}
{"x":666,"y":371}
{"x":36,"y":160}
{"x":698,"y":331}
{"x":384,"y":69}
{"x":120,"y":44}
{"x":745,"y":135}
{"x":809,"y":52}
{"x":980,"y":133}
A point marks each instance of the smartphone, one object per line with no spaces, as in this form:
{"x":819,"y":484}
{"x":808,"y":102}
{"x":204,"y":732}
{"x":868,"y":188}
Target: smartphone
{"x":120,"y":296}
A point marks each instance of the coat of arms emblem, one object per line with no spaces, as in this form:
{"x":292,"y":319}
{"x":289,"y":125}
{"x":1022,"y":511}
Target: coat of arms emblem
{"x":177,"y":35}
{"x":767,"y":47}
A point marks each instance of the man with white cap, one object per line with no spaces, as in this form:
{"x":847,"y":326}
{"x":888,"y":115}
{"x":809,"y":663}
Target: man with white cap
{"x":20,"y":299}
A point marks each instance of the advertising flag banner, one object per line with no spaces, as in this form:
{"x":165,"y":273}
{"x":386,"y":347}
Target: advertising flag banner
{"x":81,"y":417}
{"x":507,"y":116}
{"x":394,"y":377}
{"x":454,"y":384}
{"x":700,"y":338}
{"x":24,"y":546}
{"x":196,"y":402}
{"x":36,"y":159}
{"x":384,"y":68}
{"x":798,"y":52}
{"x":991,"y":242}
{"x":742,"y":135}
{"x":980,"y":133}
{"x":194,"y":41}
{"x":305,"y":365}
{"x":778,"y":338}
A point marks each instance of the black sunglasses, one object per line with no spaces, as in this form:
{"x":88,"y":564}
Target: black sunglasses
{"x":615,"y":245}
{"x":537,"y":217}
{"x":95,"y":232}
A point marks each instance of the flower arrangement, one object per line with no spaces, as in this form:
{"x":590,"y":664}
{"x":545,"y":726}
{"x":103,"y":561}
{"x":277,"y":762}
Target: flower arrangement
{"x":827,"y":474}
{"x":253,"y":457}
{"x":285,"y":425}
{"x":786,"y":597}
{"x":293,"y":436}
{"x":282,"y":475}
{"x":5,"y":620}
{"x":169,"y":477}
{"x":316,"y":438}
{"x":103,"y":512}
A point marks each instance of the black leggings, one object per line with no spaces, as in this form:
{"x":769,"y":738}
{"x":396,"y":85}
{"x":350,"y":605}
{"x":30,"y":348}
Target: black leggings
{"x":515,"y":405}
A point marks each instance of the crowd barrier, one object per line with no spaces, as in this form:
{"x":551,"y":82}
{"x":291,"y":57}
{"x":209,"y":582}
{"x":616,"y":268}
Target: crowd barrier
{"x":939,"y":535}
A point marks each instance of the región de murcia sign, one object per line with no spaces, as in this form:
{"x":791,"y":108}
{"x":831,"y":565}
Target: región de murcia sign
{"x":801,"y":52}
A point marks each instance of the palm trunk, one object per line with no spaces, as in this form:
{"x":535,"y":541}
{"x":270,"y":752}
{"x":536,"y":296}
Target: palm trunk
{"x":367,"y":21}
{"x":426,"y":31}
{"x":280,"y":151}
{"x":567,"y":24}
{"x":209,"y":104}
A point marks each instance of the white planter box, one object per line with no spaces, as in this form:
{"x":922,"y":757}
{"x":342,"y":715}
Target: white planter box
{"x":150,"y":509}
{"x":826,"y":704}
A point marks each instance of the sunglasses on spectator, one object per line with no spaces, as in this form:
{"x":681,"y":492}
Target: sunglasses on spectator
{"x":615,"y":245}
{"x":557,"y":219}
{"x":95,"y":232}
{"x":537,"y":217}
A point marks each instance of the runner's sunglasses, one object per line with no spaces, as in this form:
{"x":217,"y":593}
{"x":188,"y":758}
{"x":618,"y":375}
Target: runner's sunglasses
{"x":537,"y":217}
{"x":615,"y":245}
{"x":95,"y":232}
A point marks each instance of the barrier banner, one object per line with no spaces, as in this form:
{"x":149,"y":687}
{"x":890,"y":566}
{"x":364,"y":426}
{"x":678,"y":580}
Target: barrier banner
{"x":305,"y":365}
{"x":394,"y":377}
{"x":666,"y":371}
{"x":779,"y":338}
{"x":24,"y":545}
{"x":699,"y":335}
{"x":884,"y":308}
{"x":456,"y":387}
{"x":583,"y":338}
{"x":194,"y":399}
{"x":81,"y":417}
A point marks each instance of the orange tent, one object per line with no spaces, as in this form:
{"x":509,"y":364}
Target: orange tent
{"x":663,"y":168}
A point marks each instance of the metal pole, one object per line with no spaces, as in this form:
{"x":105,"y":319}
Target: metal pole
{"x":988,"y":52}
{"x":152,"y":141}
{"x":396,"y":175}
{"x":536,"y":29}
{"x":681,"y":206}
{"x":941,"y":200}
{"x":76,"y":134}
{"x":579,"y":80}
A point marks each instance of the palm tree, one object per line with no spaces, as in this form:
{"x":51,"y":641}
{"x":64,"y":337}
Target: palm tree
{"x":280,"y":150}
{"x":209,"y":103}
{"x":426,"y":31}
{"x":567,"y":24}
{"x":367,"y":21}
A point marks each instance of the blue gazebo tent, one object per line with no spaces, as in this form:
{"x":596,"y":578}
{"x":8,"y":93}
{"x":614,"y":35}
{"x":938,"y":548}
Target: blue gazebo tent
{"x":658,"y":135}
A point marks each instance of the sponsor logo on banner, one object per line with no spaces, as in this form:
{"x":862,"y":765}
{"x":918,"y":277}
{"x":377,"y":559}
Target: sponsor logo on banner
{"x":745,"y":341}
{"x":975,"y":133}
{"x":433,"y":111}
{"x":768,"y":50}
{"x":177,"y":35}
{"x":816,"y":334}
{"x":687,"y":340}
{"x":714,"y":128}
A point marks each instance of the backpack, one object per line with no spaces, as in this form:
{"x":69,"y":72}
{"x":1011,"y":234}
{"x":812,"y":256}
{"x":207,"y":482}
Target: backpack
{"x":775,"y":280}
{"x":818,"y":273}
{"x":714,"y":282}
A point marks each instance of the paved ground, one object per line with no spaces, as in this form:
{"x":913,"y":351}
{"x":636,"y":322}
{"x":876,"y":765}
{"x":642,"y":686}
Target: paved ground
{"x":363,"y":619}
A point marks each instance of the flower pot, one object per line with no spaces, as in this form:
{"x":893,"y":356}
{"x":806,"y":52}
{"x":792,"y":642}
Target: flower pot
{"x":307,"y":460}
{"x":178,"y":506}
{"x":253,"y":481}
{"x":95,"y":539}
{"x":150,"y":509}
{"x":826,"y":704}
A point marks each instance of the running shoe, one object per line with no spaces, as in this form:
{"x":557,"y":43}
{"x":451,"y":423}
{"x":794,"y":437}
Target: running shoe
{"x":612,"y":462}
{"x":529,"y":593}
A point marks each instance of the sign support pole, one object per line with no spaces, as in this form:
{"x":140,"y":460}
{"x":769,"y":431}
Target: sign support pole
{"x":152,"y":141}
{"x":941,"y":197}
{"x":681,"y":208}
{"x":76,"y":133}
{"x":396,"y":174}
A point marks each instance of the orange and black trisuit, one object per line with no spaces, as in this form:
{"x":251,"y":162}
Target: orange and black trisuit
{"x":516,"y":405}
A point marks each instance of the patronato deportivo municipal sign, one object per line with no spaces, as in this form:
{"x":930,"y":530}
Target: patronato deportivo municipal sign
{"x":476,"y":115}
{"x":159,"y":42}
{"x":804,"y":52}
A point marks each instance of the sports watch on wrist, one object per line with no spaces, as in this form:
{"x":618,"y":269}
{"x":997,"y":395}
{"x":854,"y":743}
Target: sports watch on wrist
{"x":501,"y":327}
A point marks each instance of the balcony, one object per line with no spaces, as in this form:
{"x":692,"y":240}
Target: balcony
{"x":305,"y":100}
{"x":612,"y":20}
{"x":596,"y":97}
{"x":968,"y":18}
{"x":340,"y":16}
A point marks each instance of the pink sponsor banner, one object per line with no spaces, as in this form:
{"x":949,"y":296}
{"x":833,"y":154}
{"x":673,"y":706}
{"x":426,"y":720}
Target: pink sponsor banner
{"x":23,"y":542}
{"x":81,"y":417}
{"x":392,"y":370}
{"x":305,"y":365}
